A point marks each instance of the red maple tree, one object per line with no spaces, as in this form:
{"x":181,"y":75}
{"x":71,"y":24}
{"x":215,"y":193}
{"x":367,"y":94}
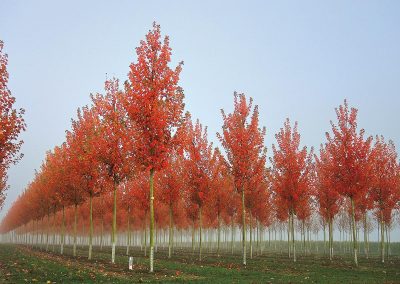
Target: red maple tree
{"x":329,"y":200}
{"x":198,"y":159}
{"x":154,"y":103}
{"x":243,"y":141}
{"x":385,"y":183}
{"x":114,"y":143}
{"x":350,"y":154}
{"x":292,"y":171}
{"x":11,"y":125}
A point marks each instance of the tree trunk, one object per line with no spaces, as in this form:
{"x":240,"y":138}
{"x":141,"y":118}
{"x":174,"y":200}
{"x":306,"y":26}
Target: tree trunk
{"x":232,"y":234}
{"x":48,"y":231}
{"x":75,"y":220}
{"x":330,"y":239}
{"x":200,"y":238}
{"x":354,"y":232}
{"x":145,"y":235}
{"x":151,"y":221}
{"x":114,"y":225}
{"x":388,"y":240}
{"x":41,"y":233}
{"x":219,"y":232}
{"x":304,"y":236}
{"x":193,"y":236}
{"x":324,"y":237}
{"x":62,"y":231}
{"x":294,"y":245}
{"x":170,"y":232}
{"x":288,"y":234}
{"x":102,"y":232}
{"x":128,"y":242}
{"x":382,"y":238}
{"x":251,"y":235}
{"x":243,"y":228}
{"x":54,"y":230}
{"x":90,"y":226}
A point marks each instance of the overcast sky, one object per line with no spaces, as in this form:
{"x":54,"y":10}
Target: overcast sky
{"x":297,"y":59}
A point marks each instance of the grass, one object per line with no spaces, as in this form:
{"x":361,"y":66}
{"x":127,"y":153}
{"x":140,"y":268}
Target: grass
{"x":21,"y":264}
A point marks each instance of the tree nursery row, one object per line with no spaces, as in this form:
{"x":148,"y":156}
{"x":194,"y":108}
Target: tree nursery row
{"x":136,"y":170}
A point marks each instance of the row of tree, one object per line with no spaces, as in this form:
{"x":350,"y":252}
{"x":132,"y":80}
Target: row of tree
{"x":140,"y":147}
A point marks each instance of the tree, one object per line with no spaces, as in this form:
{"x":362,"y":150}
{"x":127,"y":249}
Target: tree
{"x":171,"y":185}
{"x":328,"y":198}
{"x":292,"y":170}
{"x":114,"y":151}
{"x":199,"y":155}
{"x":243,"y":142}
{"x":11,"y":125}
{"x":257,"y":197}
{"x":57,"y":186}
{"x":384,"y":183}
{"x":137,"y":189}
{"x":74,"y":193}
{"x":220,"y":190}
{"x":350,"y":154}
{"x":154,"y":103}
{"x":84,"y":145}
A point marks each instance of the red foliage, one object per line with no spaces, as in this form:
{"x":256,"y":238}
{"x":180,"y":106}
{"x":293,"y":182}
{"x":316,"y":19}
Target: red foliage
{"x":349,"y":151}
{"x":328,"y":198}
{"x":292,"y":172}
{"x":198,"y":159}
{"x":154,"y":101}
{"x":11,"y":125}
{"x":242,"y":140}
{"x":385,"y":182}
{"x":114,"y":134}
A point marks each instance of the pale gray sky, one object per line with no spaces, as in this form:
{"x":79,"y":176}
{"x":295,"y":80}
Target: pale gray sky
{"x":297,"y":59}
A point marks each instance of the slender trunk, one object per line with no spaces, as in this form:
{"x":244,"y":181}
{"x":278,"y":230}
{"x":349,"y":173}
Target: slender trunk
{"x":294,"y":245}
{"x":382,"y":238}
{"x":365,"y":235}
{"x":151,"y":220}
{"x":41,"y":233}
{"x":145,"y":235}
{"x":75,"y":220}
{"x":379,"y":224}
{"x":54,"y":230}
{"x":200,"y":238}
{"x":170,"y":232}
{"x":258,"y":234}
{"x":62,"y":230}
{"x":331,"y":238}
{"x":388,"y":240}
{"x":251,"y":235}
{"x":219,"y":232}
{"x":193,"y":236}
{"x":48,"y":231}
{"x":304,"y":236}
{"x":102,"y":232}
{"x":83,"y":234}
{"x":243,"y":228}
{"x":91,"y":225}
{"x":128,"y":242}
{"x":354,"y":232}
{"x":368,"y":242}
{"x":324,"y":236}
{"x":232,"y":233}
{"x":114,"y":224}
{"x":288,"y":234}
